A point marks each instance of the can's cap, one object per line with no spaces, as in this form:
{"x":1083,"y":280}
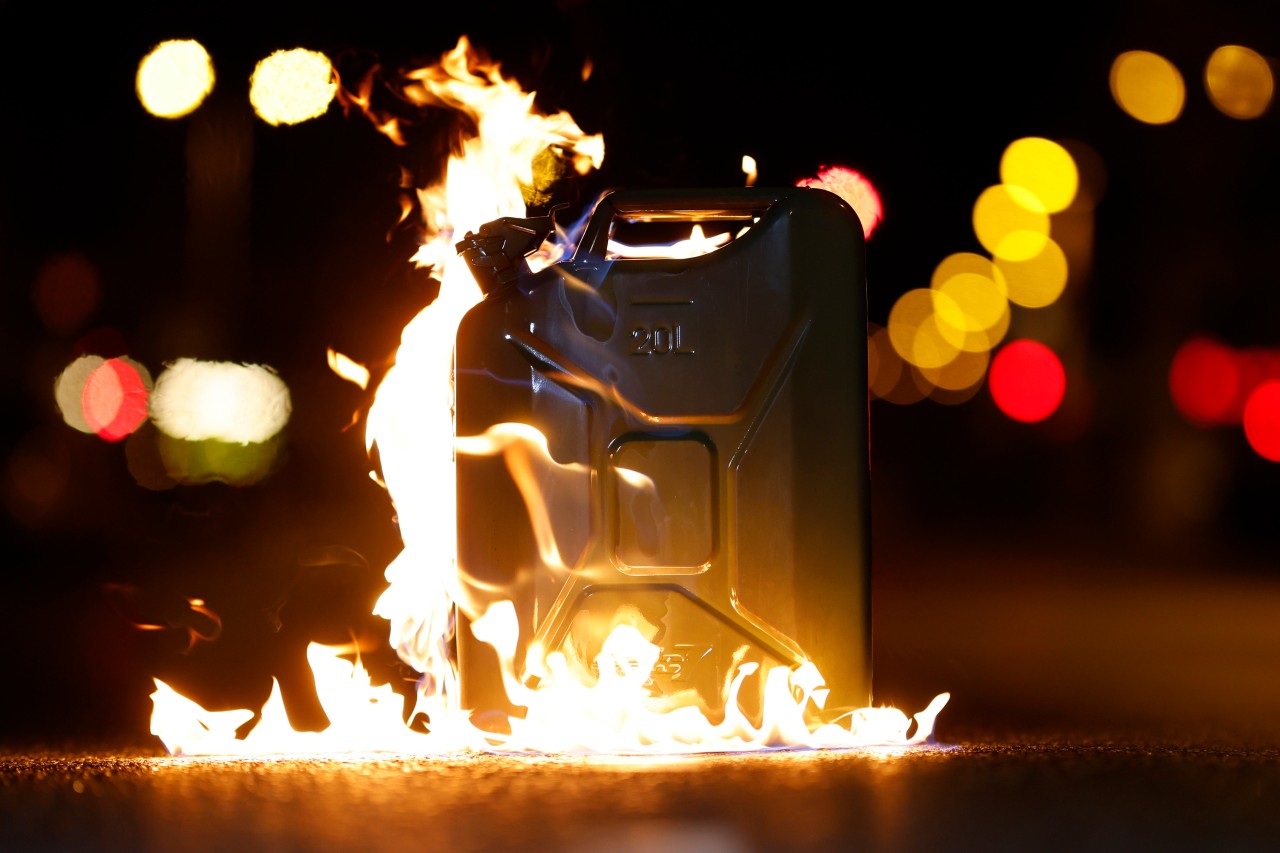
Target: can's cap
{"x":496,"y":254}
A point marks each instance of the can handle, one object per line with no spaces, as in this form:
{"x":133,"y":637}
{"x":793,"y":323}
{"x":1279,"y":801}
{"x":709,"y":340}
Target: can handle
{"x":687,"y":205}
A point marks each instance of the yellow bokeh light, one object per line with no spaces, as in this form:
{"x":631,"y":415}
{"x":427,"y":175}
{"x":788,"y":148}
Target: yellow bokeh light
{"x":1010,"y":222}
{"x":1239,"y":81}
{"x":973,"y":304}
{"x":967,"y":263}
{"x":1036,"y":281}
{"x":292,"y":86}
{"x":174,"y":78}
{"x":989,"y":338}
{"x":914,"y":330}
{"x":1044,"y":167}
{"x":980,"y":316}
{"x":975,"y":314}
{"x":1147,"y":86}
{"x":964,"y":371}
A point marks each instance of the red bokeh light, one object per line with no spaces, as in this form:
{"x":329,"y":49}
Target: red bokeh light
{"x":1262,"y":420}
{"x":1027,"y":380}
{"x":1204,"y":382}
{"x":114,"y":400}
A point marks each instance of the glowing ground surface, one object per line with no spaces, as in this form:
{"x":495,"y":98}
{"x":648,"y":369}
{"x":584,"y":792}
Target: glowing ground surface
{"x":1066,"y":795}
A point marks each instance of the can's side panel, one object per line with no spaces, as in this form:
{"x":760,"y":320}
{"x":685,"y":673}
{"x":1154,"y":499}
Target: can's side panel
{"x":749,"y":405}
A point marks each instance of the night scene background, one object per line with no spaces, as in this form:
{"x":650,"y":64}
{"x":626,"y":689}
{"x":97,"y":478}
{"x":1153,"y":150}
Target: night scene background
{"x":1111,"y":567}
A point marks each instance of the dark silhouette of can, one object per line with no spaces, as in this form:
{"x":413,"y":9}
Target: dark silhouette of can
{"x":705,"y":476}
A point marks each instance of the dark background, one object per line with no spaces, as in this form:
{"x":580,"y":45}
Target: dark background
{"x":1112,"y":568}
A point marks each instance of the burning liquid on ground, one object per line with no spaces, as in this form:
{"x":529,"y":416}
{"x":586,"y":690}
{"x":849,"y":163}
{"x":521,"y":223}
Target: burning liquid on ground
{"x":608,"y":705}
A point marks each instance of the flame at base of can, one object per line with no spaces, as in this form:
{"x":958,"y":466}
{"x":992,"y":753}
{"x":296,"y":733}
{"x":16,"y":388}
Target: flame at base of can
{"x":617,"y":715}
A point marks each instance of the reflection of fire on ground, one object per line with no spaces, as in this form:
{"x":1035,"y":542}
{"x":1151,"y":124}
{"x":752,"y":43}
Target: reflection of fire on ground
{"x":594,"y":691}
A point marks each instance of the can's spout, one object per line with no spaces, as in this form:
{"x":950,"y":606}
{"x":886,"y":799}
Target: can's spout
{"x":496,"y":254}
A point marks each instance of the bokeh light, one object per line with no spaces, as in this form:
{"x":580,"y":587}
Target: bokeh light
{"x":890,"y":378}
{"x":1044,"y":167}
{"x":103,"y":396}
{"x":938,"y":342}
{"x":194,"y":463}
{"x":1010,"y":222}
{"x":855,"y":189}
{"x":1204,"y":381}
{"x":219,"y":421}
{"x":1239,"y":81}
{"x":964,"y":372}
{"x":884,"y":365}
{"x":973,"y":308}
{"x":1148,"y":87}
{"x":1262,"y":420}
{"x":989,"y":339}
{"x":68,"y":389}
{"x":1211,"y":382}
{"x":914,"y":330}
{"x":224,"y":401}
{"x":975,"y":315}
{"x":292,"y":86}
{"x":874,"y":360}
{"x":1027,"y":380}
{"x":174,"y":78}
{"x":114,"y":398}
{"x":1036,"y":281}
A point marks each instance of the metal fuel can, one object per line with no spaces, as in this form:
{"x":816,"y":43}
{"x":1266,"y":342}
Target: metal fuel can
{"x":705,"y":474}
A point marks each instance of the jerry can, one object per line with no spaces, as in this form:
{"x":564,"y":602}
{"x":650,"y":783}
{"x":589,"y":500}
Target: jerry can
{"x":705,"y":473}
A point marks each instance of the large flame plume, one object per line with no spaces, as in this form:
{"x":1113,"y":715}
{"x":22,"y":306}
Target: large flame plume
{"x":490,"y":175}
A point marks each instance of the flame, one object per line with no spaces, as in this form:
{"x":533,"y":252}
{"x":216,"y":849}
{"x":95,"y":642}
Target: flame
{"x":571,"y":705}
{"x":697,"y":243}
{"x":361,"y":101}
{"x":411,"y":421}
{"x":352,"y":371}
{"x":204,"y":626}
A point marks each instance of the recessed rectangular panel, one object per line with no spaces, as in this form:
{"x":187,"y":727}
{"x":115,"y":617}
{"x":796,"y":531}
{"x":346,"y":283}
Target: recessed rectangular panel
{"x":665,"y":506}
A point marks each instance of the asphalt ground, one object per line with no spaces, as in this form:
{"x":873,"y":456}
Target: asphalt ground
{"x":968,"y":796}
{"x":1109,"y":707}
